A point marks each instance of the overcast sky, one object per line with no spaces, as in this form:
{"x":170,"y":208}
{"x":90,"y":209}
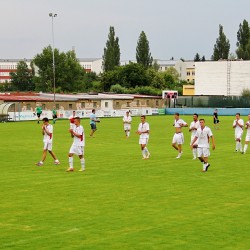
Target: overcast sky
{"x":178,"y":29}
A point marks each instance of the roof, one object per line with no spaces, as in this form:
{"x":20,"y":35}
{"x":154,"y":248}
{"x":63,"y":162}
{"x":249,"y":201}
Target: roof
{"x":49,"y":97}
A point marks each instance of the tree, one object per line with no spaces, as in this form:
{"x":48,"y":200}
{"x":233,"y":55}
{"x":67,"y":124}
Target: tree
{"x":22,"y":79}
{"x":143,"y":55}
{"x":221,"y":47}
{"x":111,"y":57}
{"x":243,"y":41}
{"x":203,"y":59}
{"x":68,"y":71}
{"x":197,"y":58}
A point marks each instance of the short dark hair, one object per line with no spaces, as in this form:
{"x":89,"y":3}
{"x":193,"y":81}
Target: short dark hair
{"x":238,"y":114}
{"x":177,"y":114}
{"x":143,"y":116}
{"x":77,"y":118}
{"x":202,"y":119}
{"x":196,"y":114}
{"x":45,"y":119}
{"x":93,"y":110}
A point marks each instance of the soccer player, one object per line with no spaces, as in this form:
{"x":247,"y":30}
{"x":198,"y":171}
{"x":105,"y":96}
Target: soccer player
{"x":216,"y":120}
{"x":54,"y":114}
{"x":203,"y":135}
{"x":38,"y":112}
{"x":195,"y":124}
{"x":238,"y":125}
{"x":178,"y":138}
{"x":47,"y":131}
{"x":77,"y":147}
{"x":72,"y":119}
{"x":127,"y":119}
{"x":143,"y":131}
{"x":93,"y":121}
{"x":247,"y":126}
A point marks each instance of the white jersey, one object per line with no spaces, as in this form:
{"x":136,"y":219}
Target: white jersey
{"x":195,"y":125}
{"x":203,"y":136}
{"x":248,"y":127}
{"x":79,"y":141}
{"x":127,"y":119}
{"x":238,"y":129}
{"x":127,"y":122}
{"x":143,"y":127}
{"x":48,"y":137}
{"x":179,"y":123}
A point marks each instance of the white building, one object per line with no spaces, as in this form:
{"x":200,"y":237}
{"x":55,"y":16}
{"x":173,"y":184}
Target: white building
{"x":227,"y":78}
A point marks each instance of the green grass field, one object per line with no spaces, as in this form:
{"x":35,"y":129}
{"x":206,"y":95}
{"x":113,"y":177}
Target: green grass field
{"x":122,"y":201}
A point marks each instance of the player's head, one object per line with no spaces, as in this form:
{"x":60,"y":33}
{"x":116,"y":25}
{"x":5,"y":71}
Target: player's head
{"x":74,"y":112}
{"x":202,"y":122}
{"x":195,"y":116}
{"x":127,"y":113}
{"x":143,"y":118}
{"x":77,"y":120}
{"x":237,"y":115}
{"x":176,"y":115}
{"x":45,"y":119}
{"x":93,"y":110}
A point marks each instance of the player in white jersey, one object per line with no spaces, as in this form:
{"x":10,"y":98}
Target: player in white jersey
{"x":195,"y":124}
{"x":47,"y":131}
{"x":178,"y":138}
{"x":247,"y":126}
{"x":202,"y":136}
{"x":143,"y":131}
{"x":127,"y":119}
{"x":77,"y":147}
{"x":238,"y":125}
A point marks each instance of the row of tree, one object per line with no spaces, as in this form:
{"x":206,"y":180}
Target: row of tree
{"x":140,"y":77}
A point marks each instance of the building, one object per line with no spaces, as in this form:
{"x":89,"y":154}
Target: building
{"x":226,"y":77}
{"x":10,"y":65}
{"x":100,"y":101}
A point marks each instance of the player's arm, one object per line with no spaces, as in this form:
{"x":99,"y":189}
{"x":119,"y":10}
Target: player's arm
{"x":213,"y":142}
{"x":194,"y":140}
{"x":47,"y":131}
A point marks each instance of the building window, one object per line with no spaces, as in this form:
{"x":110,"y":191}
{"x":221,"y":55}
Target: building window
{"x":28,"y":106}
{"x":57,"y":106}
{"x":188,"y":73}
{"x":70,"y":106}
{"x":138,"y":102}
{"x":83,"y":105}
{"x":147,"y":102}
{"x":43,"y":106}
{"x":106,"y":104}
{"x":117,"y":104}
{"x":128,"y":104}
{"x":157,"y":103}
{"x":193,"y":73}
{"x":94,"y":104}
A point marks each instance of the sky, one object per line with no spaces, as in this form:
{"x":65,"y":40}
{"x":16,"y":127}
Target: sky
{"x":177,"y":29}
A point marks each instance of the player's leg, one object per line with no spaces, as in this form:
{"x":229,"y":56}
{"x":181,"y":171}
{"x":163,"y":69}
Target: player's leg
{"x":81,"y":157}
{"x":71,"y":159}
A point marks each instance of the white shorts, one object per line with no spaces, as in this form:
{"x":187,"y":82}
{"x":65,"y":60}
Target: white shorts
{"x":127,"y":127}
{"x":247,"y":137}
{"x":178,"y":138}
{"x":77,"y":150}
{"x":205,"y":152}
{"x":238,"y":135}
{"x":47,"y":146}
{"x":143,"y":141}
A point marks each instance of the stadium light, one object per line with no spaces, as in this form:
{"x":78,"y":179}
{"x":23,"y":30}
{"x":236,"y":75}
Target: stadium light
{"x":53,"y":55}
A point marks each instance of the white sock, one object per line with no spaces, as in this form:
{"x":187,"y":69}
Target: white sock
{"x":237,"y":146}
{"x":240,"y":146}
{"x":245,"y":148}
{"x":128,"y":133}
{"x":82,"y":163}
{"x":71,"y":162}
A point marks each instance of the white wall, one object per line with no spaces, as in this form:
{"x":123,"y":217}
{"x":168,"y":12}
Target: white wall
{"x":211,"y":77}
